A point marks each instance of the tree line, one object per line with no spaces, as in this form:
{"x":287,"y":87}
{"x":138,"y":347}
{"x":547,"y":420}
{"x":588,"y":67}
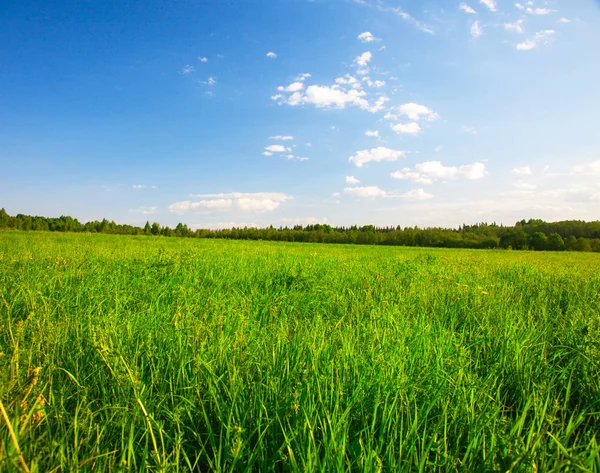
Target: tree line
{"x":533,"y":234}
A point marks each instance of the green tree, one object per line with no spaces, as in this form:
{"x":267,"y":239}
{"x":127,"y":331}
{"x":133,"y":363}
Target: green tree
{"x":147,"y":229}
{"x":582,"y":244}
{"x":538,"y":241}
{"x":555,"y":243}
{"x":155,"y":229}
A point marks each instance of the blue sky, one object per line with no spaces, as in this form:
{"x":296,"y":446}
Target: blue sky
{"x":221,"y":113}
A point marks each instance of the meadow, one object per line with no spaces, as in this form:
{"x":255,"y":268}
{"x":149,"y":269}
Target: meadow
{"x":125,"y":353}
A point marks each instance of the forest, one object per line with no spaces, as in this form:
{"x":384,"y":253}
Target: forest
{"x":532,"y":234}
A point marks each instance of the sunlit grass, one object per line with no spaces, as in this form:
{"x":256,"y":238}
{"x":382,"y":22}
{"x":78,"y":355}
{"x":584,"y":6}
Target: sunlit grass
{"x":152,"y":354}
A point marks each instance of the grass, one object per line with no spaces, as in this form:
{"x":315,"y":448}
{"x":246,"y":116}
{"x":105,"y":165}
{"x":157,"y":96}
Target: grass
{"x":152,"y":354}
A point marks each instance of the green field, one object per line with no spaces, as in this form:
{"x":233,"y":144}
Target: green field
{"x":153,"y":354}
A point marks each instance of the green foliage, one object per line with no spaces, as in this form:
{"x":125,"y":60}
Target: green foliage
{"x":524,"y":235}
{"x":161,"y":354}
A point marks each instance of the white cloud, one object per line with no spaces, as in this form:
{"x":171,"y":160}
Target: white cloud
{"x":416,"y":194}
{"x":367,"y":37}
{"x":410,"y":19}
{"x":352,"y":180}
{"x":145,"y":210}
{"x":375,"y":155}
{"x":374,"y":83}
{"x":538,"y":11}
{"x":591,"y":168}
{"x":473,"y":171}
{"x":365,"y":192}
{"x":541,"y":37}
{"x":469,"y":130}
{"x":467,"y":9}
{"x":200,"y":206}
{"x":293,"y":87}
{"x":202,"y":59}
{"x":364,"y":59}
{"x":476,"y":30}
{"x":302,"y":77}
{"x":379,"y":104}
{"x":412,"y":128}
{"x":187,"y":69}
{"x":522,"y":171}
{"x":248,"y":202}
{"x":524,"y":186}
{"x":277,"y":149}
{"x":323,"y":96}
{"x":516,"y":26}
{"x":271,"y":55}
{"x":210,"y":81}
{"x":564,"y":20}
{"x":431,"y":171}
{"x":415,"y":112}
{"x":268,"y":153}
{"x":349,"y":80}
{"x":526,"y":45}
{"x":281,"y":138}
{"x":491,"y":4}
{"x":372,"y":134}
{"x":142,"y":186}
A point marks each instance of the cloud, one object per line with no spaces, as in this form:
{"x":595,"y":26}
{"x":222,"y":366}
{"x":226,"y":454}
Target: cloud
{"x":271,"y":55}
{"x":349,"y":80}
{"x":415,"y":112}
{"x":302,"y":77}
{"x":374,"y":83}
{"x":210,"y":81}
{"x":293,"y":87}
{"x":409,"y":18}
{"x":416,"y":194}
{"x":467,"y":9}
{"x":491,"y":4}
{"x":407,"y":128}
{"x":431,"y":171}
{"x":277,"y":149}
{"x":470,"y":130}
{"x":523,"y":186}
{"x":268,"y":153}
{"x":522,"y":171}
{"x":367,"y":37}
{"x":364,"y":59}
{"x":591,"y":168}
{"x":323,"y":96}
{"x":352,"y":180}
{"x":476,"y":30}
{"x":202,"y":59}
{"x":247,"y":202}
{"x":375,"y":155}
{"x":564,"y":20}
{"x":541,"y":37}
{"x":187,"y":69}
{"x":145,"y":210}
{"x":365,"y":192}
{"x":281,"y":138}
{"x":142,"y":186}
{"x":517,"y":26}
{"x":372,"y":134}
{"x":379,"y":104}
